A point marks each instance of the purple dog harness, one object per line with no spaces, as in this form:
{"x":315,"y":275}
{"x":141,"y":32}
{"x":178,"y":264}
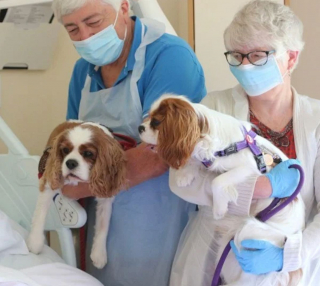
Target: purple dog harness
{"x":269,"y":211}
{"x":248,"y":142}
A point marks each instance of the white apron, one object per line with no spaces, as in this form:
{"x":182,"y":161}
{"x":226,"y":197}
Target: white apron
{"x":147,"y":220}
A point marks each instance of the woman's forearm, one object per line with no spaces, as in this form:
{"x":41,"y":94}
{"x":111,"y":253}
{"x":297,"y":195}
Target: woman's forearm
{"x":262,"y":189}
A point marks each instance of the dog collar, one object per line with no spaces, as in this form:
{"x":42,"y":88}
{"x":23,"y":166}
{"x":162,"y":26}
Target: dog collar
{"x":126,"y":142}
{"x":248,"y":142}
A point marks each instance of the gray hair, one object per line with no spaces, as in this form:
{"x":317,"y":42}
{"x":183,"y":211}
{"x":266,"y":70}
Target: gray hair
{"x":64,"y":7}
{"x":265,"y":24}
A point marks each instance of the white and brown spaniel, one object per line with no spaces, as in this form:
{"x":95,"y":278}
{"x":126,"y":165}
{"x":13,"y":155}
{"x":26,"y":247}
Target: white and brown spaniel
{"x":190,"y":137}
{"x":80,"y":152}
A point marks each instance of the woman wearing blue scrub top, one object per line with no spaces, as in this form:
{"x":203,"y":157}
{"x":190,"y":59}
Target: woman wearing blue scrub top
{"x":126,"y":64}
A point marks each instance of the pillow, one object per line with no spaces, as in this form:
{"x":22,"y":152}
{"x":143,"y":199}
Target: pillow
{"x":11,"y":242}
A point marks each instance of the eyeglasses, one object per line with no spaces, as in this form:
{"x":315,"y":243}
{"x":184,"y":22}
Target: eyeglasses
{"x":257,"y":58}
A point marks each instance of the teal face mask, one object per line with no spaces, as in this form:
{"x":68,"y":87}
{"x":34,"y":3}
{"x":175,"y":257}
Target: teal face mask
{"x":102,"y":48}
{"x":257,"y":80}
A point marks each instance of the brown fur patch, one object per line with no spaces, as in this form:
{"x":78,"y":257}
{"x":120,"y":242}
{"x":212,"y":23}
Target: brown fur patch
{"x":108,"y":174}
{"x":179,"y":130}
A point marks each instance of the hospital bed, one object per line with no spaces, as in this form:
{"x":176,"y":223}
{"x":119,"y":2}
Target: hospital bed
{"x":19,"y":178}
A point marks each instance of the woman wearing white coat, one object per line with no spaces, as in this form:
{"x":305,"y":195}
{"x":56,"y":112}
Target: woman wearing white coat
{"x":263,"y":45}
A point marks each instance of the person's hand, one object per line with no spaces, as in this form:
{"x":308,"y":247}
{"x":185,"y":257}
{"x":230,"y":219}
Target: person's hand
{"x":76,"y":192}
{"x":260,"y":257}
{"x":143,"y":163}
{"x":284,"y":180}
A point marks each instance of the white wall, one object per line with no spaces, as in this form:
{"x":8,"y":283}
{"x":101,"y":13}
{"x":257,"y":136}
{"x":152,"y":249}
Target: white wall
{"x":306,"y":77}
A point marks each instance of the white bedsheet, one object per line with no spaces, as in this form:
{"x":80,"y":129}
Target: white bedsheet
{"x":14,"y":277}
{"x":13,"y":284}
{"x":20,"y":261}
{"x":47,"y":275}
{"x":11,"y":242}
{"x":26,"y":259}
{"x":45,"y":269}
{"x":60,"y":274}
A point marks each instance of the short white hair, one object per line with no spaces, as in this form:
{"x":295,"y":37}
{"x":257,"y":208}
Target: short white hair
{"x":64,"y":7}
{"x":265,"y":24}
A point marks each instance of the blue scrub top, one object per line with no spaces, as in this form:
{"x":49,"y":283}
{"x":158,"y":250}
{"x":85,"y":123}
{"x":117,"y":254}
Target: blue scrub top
{"x":170,"y":67}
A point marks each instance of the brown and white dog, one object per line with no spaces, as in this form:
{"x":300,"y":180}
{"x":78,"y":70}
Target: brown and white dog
{"x":81,"y":152}
{"x":187,"y":135}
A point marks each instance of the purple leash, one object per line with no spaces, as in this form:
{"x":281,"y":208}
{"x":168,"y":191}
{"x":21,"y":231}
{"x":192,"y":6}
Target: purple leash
{"x":263,"y":216}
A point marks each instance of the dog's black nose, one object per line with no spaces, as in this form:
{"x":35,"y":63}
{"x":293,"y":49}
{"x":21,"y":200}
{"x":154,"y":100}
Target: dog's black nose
{"x":71,"y":164}
{"x":141,"y":129}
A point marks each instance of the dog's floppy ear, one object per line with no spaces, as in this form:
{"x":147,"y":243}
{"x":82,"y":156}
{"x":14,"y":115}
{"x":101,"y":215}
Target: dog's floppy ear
{"x":108,"y":174}
{"x":179,"y":131}
{"x":53,"y":173}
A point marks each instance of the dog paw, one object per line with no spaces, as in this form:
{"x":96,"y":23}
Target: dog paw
{"x":231,"y":193}
{"x":219,"y":210}
{"x":99,"y":257}
{"x":35,"y":243}
{"x":221,"y":198}
{"x":204,"y":149}
{"x":185,"y":180}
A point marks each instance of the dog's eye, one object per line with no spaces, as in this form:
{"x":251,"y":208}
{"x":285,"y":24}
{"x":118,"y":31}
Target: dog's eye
{"x":65,"y":151}
{"x":154,"y":123}
{"x":87,"y":154}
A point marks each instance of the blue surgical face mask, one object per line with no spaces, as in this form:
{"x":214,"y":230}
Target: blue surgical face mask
{"x":102,"y":48}
{"x":257,"y":80}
